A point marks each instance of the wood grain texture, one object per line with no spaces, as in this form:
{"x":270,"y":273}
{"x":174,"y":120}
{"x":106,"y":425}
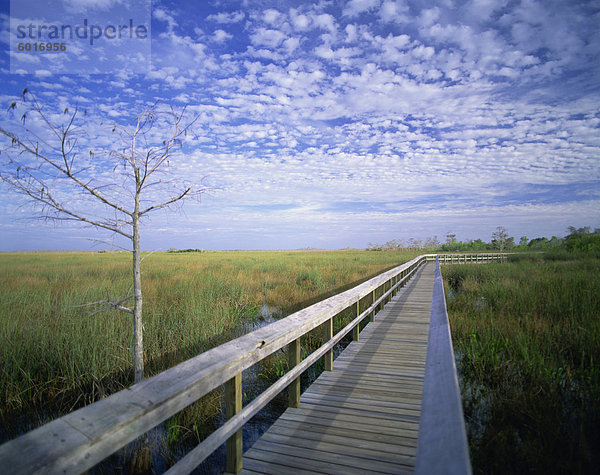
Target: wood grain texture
{"x":233,"y":405}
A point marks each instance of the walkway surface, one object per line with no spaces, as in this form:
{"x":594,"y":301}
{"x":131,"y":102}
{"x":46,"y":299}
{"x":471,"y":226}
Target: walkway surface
{"x":362,"y":417}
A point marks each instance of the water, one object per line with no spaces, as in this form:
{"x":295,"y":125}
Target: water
{"x":477,"y":402}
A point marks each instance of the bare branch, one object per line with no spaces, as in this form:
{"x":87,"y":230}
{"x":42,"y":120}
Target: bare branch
{"x":65,"y":172}
{"x":41,"y":194}
{"x":110,"y":304}
{"x":148,"y":255}
{"x":111,"y":244}
{"x":166,"y":203}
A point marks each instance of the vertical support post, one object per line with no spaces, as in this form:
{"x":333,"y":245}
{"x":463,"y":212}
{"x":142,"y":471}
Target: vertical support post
{"x":293,"y":360}
{"x":356,"y":329}
{"x":385,"y":289}
{"x":233,"y":405}
{"x":328,"y":357}
{"x":372,"y":317}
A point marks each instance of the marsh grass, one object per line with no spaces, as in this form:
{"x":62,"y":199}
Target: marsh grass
{"x":527,"y":339}
{"x":57,"y":356}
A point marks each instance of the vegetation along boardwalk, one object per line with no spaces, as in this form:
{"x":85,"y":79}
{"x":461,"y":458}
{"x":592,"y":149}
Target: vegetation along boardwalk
{"x":389,"y":403}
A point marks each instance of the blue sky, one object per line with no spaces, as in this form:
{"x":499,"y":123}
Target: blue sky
{"x":334,"y":124}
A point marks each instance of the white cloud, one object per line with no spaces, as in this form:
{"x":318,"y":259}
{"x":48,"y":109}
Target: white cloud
{"x":272,"y":17}
{"x":355,"y":7}
{"x":324,"y":21}
{"x":483,"y":9}
{"x":227,"y":17}
{"x":429,"y":16}
{"x":162,"y":15}
{"x":291,"y":44}
{"x":220,"y":36}
{"x":82,"y":6}
{"x":299,"y":21}
{"x":394,"y":10}
{"x":267,"y":37}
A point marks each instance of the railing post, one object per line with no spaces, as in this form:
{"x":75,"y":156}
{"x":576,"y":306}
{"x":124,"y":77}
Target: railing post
{"x":293,"y":360}
{"x":372,"y":317}
{"x":389,"y":286}
{"x":233,"y":405}
{"x":328,"y":357}
{"x":356,"y":329}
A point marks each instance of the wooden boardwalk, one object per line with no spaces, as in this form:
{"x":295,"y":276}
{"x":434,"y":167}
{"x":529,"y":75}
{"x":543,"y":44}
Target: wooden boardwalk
{"x":362,"y":417}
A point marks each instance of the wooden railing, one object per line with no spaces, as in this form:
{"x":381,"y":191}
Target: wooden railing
{"x":81,"y":439}
{"x":473,"y":258}
{"x":442,"y":445}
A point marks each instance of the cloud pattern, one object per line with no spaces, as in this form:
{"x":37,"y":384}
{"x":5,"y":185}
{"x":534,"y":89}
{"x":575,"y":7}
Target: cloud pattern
{"x":336,"y":124}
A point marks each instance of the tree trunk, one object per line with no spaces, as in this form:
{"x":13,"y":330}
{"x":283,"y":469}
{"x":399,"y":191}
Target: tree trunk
{"x":138,"y":347}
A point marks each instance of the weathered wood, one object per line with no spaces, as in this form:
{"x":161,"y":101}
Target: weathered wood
{"x":293,"y":360}
{"x":328,"y":334}
{"x":372,"y":315}
{"x":442,"y":445}
{"x":212,"y":442}
{"x":233,"y":405}
{"x":356,"y":329}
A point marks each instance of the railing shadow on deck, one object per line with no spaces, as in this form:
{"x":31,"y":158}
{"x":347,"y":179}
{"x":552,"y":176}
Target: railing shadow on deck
{"x":81,"y":439}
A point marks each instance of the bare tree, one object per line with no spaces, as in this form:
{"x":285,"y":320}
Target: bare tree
{"x":500,"y":237}
{"x":432,"y":242}
{"x":109,"y":184}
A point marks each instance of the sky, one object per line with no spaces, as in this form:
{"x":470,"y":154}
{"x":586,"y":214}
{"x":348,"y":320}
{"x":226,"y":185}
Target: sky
{"x":330,"y":124}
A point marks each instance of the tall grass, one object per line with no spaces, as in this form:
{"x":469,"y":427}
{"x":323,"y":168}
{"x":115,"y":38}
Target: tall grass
{"x":57,"y":356}
{"x":527,"y":338}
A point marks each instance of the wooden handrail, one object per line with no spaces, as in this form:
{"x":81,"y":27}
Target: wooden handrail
{"x":457,"y":258}
{"x":79,"y":440}
{"x":442,"y":442}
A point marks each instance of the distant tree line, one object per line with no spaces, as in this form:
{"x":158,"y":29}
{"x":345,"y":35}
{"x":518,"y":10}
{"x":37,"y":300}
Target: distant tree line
{"x":179,"y":251}
{"x":578,"y":240}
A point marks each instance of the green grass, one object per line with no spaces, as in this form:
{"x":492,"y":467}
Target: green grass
{"x":57,"y":356}
{"x":527,"y":338}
